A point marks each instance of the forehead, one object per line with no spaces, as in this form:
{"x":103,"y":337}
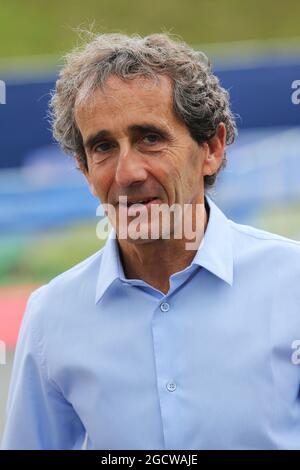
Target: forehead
{"x":120,"y":102}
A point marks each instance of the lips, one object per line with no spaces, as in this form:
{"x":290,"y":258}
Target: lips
{"x":137,"y":200}
{"x":141,"y":201}
{"x":132,"y":205}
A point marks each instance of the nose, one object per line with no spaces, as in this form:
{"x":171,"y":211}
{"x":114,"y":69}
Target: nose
{"x":130,"y":168}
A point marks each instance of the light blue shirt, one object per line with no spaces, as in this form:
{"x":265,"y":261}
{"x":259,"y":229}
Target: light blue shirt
{"x":106,"y":362}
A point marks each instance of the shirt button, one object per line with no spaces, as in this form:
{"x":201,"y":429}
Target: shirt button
{"x":171,"y":386}
{"x":165,"y":307}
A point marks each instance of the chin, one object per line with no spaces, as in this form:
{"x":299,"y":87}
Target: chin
{"x":141,"y":235}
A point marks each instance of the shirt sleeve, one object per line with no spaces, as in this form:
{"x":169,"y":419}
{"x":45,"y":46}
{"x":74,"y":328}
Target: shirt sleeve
{"x":37,"y":414}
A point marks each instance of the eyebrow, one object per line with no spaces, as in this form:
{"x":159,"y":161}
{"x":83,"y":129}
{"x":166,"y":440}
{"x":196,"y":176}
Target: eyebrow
{"x":134,"y":129}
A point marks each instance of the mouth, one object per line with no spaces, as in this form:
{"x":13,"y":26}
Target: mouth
{"x":144,"y":202}
{"x":132,"y":205}
{"x":147,"y":201}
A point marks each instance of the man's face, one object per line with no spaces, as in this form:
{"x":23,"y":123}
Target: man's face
{"x":137,"y":147}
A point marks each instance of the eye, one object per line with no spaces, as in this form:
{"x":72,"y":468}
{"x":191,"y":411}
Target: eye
{"x":102,"y":147}
{"x":151,"y":138}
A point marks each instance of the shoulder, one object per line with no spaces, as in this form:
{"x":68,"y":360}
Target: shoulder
{"x":66,"y":291}
{"x":265,"y":247}
{"x":85,"y":271}
{"x":262,"y":237}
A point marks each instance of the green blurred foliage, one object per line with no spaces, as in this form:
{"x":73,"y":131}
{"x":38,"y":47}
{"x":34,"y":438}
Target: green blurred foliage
{"x":41,"y":257}
{"x":283,"y":219}
{"x":29,"y":27}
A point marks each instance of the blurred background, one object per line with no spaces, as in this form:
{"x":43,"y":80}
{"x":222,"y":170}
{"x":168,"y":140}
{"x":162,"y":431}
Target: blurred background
{"x":47,"y":215}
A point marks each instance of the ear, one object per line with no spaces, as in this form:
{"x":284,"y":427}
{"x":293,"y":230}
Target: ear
{"x":215,"y":151}
{"x":86,"y":174}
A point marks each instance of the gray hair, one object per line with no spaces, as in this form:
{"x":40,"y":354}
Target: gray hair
{"x":198,"y":98}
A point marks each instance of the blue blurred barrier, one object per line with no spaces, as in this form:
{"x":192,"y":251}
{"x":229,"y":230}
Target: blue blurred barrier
{"x":23,"y":122}
{"x":260,"y":93}
{"x":28,"y":206}
{"x":263,"y":168}
{"x":44,"y":189}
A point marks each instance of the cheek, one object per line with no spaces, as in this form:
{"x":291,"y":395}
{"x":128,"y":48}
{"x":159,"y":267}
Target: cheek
{"x":196,"y":173}
{"x":187,"y":171}
{"x":189,"y":176}
{"x":172,"y":167}
{"x":102,"y":180}
{"x":194,"y":168}
{"x":166,"y":174}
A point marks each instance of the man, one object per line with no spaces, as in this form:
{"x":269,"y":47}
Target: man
{"x":149,"y":344}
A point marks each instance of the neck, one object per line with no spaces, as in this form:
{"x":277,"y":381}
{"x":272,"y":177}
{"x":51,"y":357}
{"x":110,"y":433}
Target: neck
{"x":155,"y":261}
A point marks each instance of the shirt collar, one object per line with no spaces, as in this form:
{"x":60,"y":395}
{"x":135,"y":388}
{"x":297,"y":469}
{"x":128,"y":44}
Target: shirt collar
{"x":214,"y":253}
{"x":110,"y":266}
